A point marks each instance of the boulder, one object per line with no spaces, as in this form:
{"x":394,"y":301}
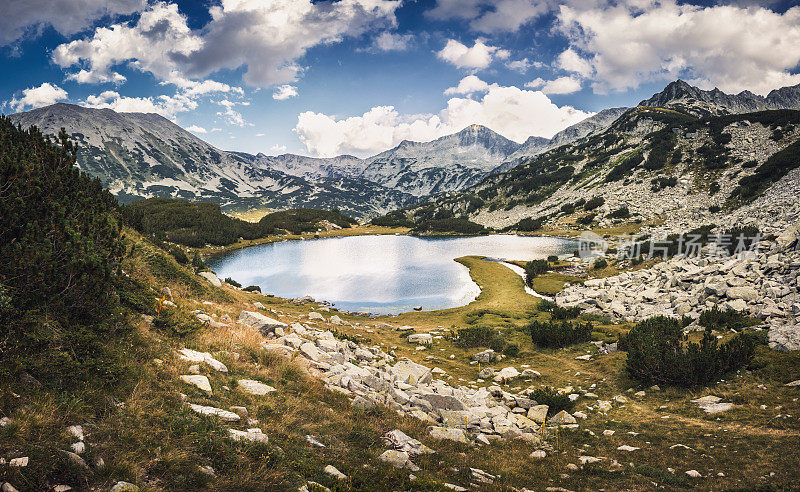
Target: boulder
{"x":744,"y":293}
{"x":538,"y":413}
{"x":251,"y":435}
{"x":332,"y":471}
{"x":562,"y":418}
{"x":410,"y":372}
{"x":124,"y":487}
{"x":506,"y":373}
{"x":484,"y":357}
{"x":218,"y":412}
{"x":397,"y":459}
{"x":449,"y":433}
{"x":315,"y":315}
{"x":212,"y":278}
{"x":201,"y":382}
{"x":420,"y":338}
{"x":255,"y":387}
{"x":443,"y":402}
{"x":258,"y":321}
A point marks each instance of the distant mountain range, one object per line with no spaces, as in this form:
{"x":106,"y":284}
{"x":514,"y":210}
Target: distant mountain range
{"x":717,"y":102}
{"x":141,"y":155}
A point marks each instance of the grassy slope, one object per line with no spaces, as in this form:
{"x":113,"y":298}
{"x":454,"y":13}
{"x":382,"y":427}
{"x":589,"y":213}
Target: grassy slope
{"x":153,"y":440}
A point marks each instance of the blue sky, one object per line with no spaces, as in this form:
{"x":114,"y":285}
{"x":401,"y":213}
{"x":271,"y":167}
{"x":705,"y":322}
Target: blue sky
{"x":358,"y":76}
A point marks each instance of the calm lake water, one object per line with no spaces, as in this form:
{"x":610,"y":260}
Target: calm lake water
{"x":379,"y":274}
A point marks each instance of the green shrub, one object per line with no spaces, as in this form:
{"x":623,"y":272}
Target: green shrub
{"x":713,"y":188}
{"x":561,"y":313}
{"x":714,"y":209}
{"x":600,"y":263}
{"x":178,"y":254}
{"x":555,"y":401}
{"x":454,"y":225}
{"x":252,"y":288}
{"x":775,"y":168}
{"x":586,"y":219}
{"x":552,"y":259}
{"x":60,"y":254}
{"x":556,"y":335}
{"x":476,"y":336}
{"x":593,"y":203}
{"x":176,"y":322}
{"x":659,"y":354}
{"x":620,"y":213}
{"x":197,"y":262}
{"x":396,"y":218}
{"x":233,"y":282}
{"x":529,"y":224}
{"x":511,"y":350}
{"x":534,"y":268}
{"x":717,"y":319}
{"x":547,"y":306}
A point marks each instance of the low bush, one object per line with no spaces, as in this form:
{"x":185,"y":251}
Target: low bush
{"x":586,"y":219}
{"x":717,"y":319}
{"x":593,"y":203}
{"x":511,"y":350}
{"x":534,"y":268}
{"x":658,"y":353}
{"x":529,"y":224}
{"x":454,"y":225}
{"x":561,"y":313}
{"x":599,"y":264}
{"x":714,"y":209}
{"x":554,"y":400}
{"x":556,"y":335}
{"x":233,"y":282}
{"x":620,"y":213}
{"x":252,"y":288}
{"x":178,"y":254}
{"x":480,"y":336}
{"x":176,"y":322}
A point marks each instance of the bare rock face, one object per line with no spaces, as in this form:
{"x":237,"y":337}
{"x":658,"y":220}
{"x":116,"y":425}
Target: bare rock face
{"x":212,"y":278}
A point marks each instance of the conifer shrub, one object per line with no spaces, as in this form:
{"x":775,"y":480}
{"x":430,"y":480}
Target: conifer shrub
{"x":659,"y":353}
{"x":552,"y":334}
{"x":60,"y":253}
{"x":554,"y":400}
{"x":729,"y":319}
{"x":534,"y":268}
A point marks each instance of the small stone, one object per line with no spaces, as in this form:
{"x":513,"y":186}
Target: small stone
{"x":7,"y":487}
{"x":627,"y":448}
{"x":18,"y":462}
{"x":124,"y":487}
{"x":76,"y":431}
{"x":314,"y":441}
{"x":694,"y":474}
{"x":332,"y":471}
{"x":255,"y":387}
{"x":608,"y":432}
{"x":78,"y":447}
{"x":201,"y":382}
{"x":252,"y":435}
{"x":538,"y":454}
{"x":62,"y":488}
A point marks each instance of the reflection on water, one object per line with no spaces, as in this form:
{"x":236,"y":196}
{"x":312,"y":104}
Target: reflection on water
{"x":380,"y":274}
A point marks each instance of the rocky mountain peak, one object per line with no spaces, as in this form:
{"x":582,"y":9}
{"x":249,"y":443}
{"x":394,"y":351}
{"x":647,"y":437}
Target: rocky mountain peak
{"x":716,"y":101}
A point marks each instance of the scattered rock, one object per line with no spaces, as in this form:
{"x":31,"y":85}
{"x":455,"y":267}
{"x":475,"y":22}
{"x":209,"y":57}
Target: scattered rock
{"x":694,"y":474}
{"x":124,"y":487}
{"x":258,"y":321}
{"x":332,"y":471}
{"x":538,"y":454}
{"x":252,"y":435}
{"x":201,"y":382}
{"x":212,"y":278}
{"x":218,"y":412}
{"x":449,"y":433}
{"x":255,"y":387}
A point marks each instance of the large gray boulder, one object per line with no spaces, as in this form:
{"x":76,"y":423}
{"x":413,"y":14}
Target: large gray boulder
{"x":212,"y":278}
{"x":258,"y":321}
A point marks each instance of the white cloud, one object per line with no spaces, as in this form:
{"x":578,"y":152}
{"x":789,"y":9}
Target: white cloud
{"x":571,"y":61}
{"x":196,"y":129}
{"x":37,"y":97}
{"x":510,"y":111}
{"x":278,"y":149}
{"x":392,"y":41}
{"x":477,"y":57}
{"x":232,"y":116}
{"x":523,"y":65}
{"x":726,"y":46}
{"x":561,"y":85}
{"x":260,"y":134}
{"x":166,"y":106}
{"x":21,"y":17}
{"x":468,"y":85}
{"x":285,"y":91}
{"x":491,"y":16}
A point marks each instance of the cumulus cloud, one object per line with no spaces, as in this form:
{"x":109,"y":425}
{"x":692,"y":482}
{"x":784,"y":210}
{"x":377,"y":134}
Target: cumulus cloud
{"x":468,"y":85}
{"x":283,"y":92}
{"x":561,"y":85}
{"x":21,"y":17}
{"x":37,"y":97}
{"x":726,"y":46}
{"x":491,"y":16}
{"x":166,"y":106}
{"x":510,"y":111}
{"x":479,"y":56}
{"x":392,"y":41}
{"x":278,"y":149}
{"x":267,"y":38}
{"x":196,"y":129}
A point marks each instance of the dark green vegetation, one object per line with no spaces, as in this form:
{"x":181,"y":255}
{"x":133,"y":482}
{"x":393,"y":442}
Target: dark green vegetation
{"x":60,"y":253}
{"x":729,"y":319}
{"x":658,"y":353}
{"x":197,"y":224}
{"x":534,"y":268}
{"x":553,"y":334}
{"x":559,"y":312}
{"x":555,"y":401}
{"x":481,"y":336}
{"x":450,"y":225}
{"x":775,"y":168}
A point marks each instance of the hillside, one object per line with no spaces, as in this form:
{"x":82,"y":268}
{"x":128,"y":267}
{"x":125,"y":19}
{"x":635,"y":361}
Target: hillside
{"x":138,"y":155}
{"x":665,"y":164}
